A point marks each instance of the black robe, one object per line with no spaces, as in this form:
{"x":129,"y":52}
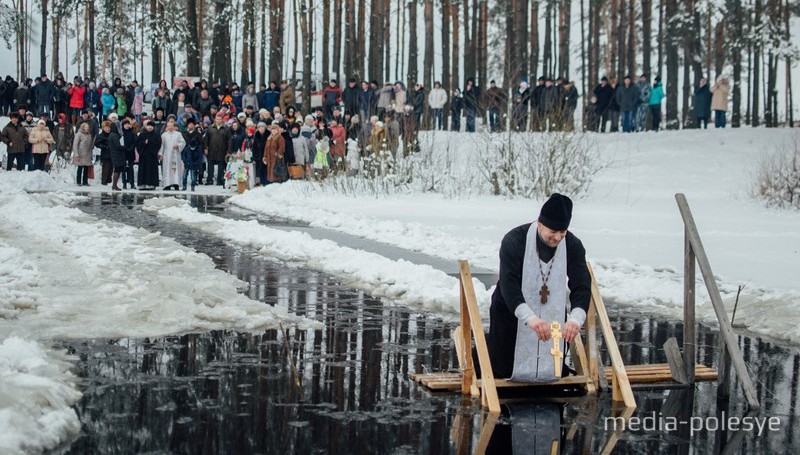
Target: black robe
{"x":148,"y":145}
{"x":502,"y":336}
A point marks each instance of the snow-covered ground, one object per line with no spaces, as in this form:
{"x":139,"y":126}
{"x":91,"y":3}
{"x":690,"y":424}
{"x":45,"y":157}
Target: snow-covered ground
{"x":67,"y":275}
{"x":629,"y":222}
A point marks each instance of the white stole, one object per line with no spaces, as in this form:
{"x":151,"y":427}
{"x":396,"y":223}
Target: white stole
{"x":533,"y":361}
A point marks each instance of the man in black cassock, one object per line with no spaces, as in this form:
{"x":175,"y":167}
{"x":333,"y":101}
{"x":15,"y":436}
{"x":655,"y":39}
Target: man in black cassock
{"x":539,"y":271}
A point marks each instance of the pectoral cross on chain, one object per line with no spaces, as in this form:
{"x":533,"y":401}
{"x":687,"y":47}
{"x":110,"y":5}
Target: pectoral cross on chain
{"x":544,"y":293}
{"x":558,"y":356}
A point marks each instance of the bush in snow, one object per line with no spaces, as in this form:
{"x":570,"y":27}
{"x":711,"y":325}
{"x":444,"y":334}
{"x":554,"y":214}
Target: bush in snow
{"x":777,"y":179}
{"x":458,"y":165}
{"x":531,"y":165}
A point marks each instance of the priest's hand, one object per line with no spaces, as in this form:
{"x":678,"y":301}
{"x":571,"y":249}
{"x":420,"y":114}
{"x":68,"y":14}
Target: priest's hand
{"x":541,"y":328}
{"x":570,"y":331}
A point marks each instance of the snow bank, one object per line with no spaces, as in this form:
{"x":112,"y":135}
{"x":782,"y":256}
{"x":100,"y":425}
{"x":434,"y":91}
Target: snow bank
{"x":31,"y":181}
{"x":36,"y":397}
{"x":401,"y":281}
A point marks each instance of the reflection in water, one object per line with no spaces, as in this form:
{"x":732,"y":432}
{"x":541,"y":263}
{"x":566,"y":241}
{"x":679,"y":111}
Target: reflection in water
{"x":344,"y":389}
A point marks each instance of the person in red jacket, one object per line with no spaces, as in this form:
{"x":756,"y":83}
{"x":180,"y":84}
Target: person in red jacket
{"x":331,"y":96}
{"x":338,"y":144}
{"x":76,"y":100}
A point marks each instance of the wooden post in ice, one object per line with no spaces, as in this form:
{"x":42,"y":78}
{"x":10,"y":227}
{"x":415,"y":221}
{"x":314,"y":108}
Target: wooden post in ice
{"x":733,"y":354}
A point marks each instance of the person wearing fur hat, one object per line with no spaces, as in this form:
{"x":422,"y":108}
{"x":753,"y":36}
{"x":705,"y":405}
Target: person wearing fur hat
{"x":543,"y":279}
{"x":41,"y":140}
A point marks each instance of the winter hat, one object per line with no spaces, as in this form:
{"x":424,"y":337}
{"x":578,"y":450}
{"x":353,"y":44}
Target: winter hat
{"x":260,"y":124}
{"x":113,"y":116}
{"x":263,"y":111}
{"x":62,"y":118}
{"x":251,"y":130}
{"x":556,"y":213}
{"x":149,"y":123}
{"x":241,"y":115}
{"x":41,"y":122}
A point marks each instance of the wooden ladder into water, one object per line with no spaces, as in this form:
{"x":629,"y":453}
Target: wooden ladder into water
{"x":585,"y":356}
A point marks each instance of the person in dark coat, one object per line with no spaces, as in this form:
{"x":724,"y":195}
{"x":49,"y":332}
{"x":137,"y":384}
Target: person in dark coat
{"x":117,"y":153}
{"x":509,"y":305}
{"x":45,"y":93}
{"x":350,"y":97}
{"x":129,"y":146}
{"x":192,"y":154}
{"x":217,"y":148}
{"x":7,"y":100}
{"x":102,"y":142}
{"x":570,"y":104}
{"x":537,"y":105}
{"x":496,"y":105}
{"x":456,"y":105}
{"x":471,"y":97}
{"x":702,"y":103}
{"x":148,"y":144}
{"x":522,"y":98}
{"x":366,"y":101}
{"x":288,"y":151}
{"x":418,"y":101}
{"x":627,"y":97}
{"x":603,"y":94}
{"x":259,"y":142}
{"x":15,"y":136}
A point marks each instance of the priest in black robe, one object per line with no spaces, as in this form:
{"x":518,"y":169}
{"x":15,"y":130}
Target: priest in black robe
{"x":509,"y":306}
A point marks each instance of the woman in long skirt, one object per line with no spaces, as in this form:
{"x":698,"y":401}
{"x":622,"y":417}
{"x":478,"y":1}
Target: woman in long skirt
{"x":149,"y":145}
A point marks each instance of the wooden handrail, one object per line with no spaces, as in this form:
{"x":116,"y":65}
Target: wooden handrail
{"x":695,"y":246}
{"x":474,"y":324}
{"x":621,"y":388}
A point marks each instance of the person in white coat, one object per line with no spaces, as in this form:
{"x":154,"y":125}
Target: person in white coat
{"x":172,"y":144}
{"x":437,"y":98}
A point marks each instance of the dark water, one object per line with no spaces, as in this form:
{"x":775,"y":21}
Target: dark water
{"x":344,"y":389}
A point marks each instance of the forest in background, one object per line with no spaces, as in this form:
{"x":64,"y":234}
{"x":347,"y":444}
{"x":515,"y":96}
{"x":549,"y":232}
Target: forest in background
{"x":749,"y":41}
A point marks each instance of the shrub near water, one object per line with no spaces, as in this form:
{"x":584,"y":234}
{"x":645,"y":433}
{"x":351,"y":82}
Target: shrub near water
{"x":777,"y":179}
{"x":526,"y":165}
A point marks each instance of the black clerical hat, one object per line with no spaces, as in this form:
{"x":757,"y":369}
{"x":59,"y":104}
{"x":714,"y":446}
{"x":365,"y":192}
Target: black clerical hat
{"x":556,"y":213}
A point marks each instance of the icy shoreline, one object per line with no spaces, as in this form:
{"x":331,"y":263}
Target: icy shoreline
{"x":67,"y":275}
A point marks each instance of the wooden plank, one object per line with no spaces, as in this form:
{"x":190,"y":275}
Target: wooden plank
{"x":689,"y":324}
{"x":623,"y":387}
{"x":582,"y":363}
{"x":719,"y":308}
{"x":567,"y":381}
{"x":487,"y":428}
{"x":465,"y":346}
{"x":489,"y":391}
{"x":676,"y":364}
{"x":591,"y":345}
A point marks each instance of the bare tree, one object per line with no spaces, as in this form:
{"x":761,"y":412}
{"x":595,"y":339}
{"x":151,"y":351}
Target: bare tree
{"x":326,"y":39}
{"x":647,"y":12}
{"x":670,"y":11}
{"x":412,"y":76}
{"x":192,"y":39}
{"x":306,"y":53}
{"x":376,"y":40}
{"x":350,"y":37}
{"x":427,"y":74}
{"x":276,"y":32}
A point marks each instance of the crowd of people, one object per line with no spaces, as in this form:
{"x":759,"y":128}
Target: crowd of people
{"x":637,"y":106}
{"x":192,"y":131}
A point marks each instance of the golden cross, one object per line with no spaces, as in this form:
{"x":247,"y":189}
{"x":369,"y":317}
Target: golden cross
{"x":558,"y":356}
